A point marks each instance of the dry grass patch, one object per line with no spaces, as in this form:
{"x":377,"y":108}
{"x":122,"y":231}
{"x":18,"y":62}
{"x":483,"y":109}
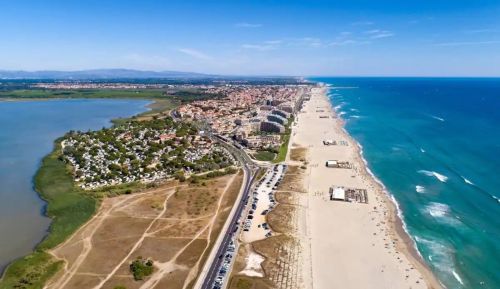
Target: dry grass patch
{"x":172,"y":280}
{"x":282,"y":218}
{"x":192,"y":253}
{"x":282,"y":258}
{"x":125,"y":220}
{"x":292,"y":180}
{"x":244,"y":282}
{"x":298,"y":154}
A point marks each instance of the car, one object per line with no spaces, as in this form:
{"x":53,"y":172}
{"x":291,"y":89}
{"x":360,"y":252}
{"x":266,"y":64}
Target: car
{"x":264,"y":212}
{"x":250,"y":217}
{"x":250,"y":212}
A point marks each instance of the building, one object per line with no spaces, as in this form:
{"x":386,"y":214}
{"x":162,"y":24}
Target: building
{"x":269,"y":126}
{"x":337,"y":194}
{"x":277,"y":119}
{"x":281,"y":113}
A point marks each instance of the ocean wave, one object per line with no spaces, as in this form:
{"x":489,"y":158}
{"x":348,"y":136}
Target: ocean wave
{"x":496,"y":198}
{"x":420,"y":189}
{"x":442,"y":213}
{"x":354,"y":109}
{"x":355,"y":116}
{"x":341,"y":113}
{"x":441,"y":257}
{"x":422,"y":150}
{"x":467,"y":181}
{"x":455,"y":274}
{"x":440,"y":177}
{"x":438,"y":118}
{"x":438,"y":210}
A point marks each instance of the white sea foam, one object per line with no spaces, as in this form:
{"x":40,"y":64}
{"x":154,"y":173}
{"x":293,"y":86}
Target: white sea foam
{"x":341,"y":113}
{"x":455,"y":274}
{"x":438,"y":210}
{"x":496,"y":198}
{"x":355,"y":116}
{"x":440,"y":256}
{"x":354,"y":109}
{"x":420,"y":189}
{"x":467,"y":181}
{"x":422,"y":150}
{"x":442,"y":213}
{"x":440,"y":177}
{"x":399,"y":212}
{"x":437,"y":117}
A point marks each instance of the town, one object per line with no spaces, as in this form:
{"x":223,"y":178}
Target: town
{"x":144,"y":151}
{"x":257,"y":117}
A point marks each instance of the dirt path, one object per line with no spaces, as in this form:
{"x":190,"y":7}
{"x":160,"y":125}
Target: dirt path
{"x":89,"y":230}
{"x":134,"y":224}
{"x":138,"y":243}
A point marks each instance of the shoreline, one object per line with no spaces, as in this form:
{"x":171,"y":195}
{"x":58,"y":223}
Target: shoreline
{"x":34,"y":261}
{"x":322,"y":209}
{"x":396,"y":219}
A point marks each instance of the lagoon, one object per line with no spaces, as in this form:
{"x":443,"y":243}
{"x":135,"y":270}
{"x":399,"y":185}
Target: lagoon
{"x":27,"y":132}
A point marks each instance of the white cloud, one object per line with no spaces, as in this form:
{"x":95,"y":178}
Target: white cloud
{"x":477,"y":31}
{"x":467,"y":43}
{"x":260,"y":47}
{"x":195,"y":53}
{"x":377,"y":33}
{"x":248,"y":25}
{"x":348,"y":42}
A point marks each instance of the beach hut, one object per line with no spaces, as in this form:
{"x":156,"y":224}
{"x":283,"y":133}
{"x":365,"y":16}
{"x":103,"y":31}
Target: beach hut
{"x":337,"y":194}
{"x":332,"y":164}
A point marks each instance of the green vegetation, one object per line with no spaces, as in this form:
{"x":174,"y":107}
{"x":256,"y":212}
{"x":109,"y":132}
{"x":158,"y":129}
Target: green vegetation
{"x":265,"y":155}
{"x":30,"y":272}
{"x":285,"y":139}
{"x":195,"y":179}
{"x":141,"y":268}
{"x":82,"y":93}
{"x":67,"y":207}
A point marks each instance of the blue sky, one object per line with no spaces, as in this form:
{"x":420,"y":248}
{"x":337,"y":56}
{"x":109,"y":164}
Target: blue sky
{"x":398,"y":38}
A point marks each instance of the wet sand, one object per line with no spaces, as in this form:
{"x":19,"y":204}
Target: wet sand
{"x":349,"y":245}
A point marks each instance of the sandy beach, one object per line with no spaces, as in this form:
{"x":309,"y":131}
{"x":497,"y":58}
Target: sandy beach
{"x":349,"y":244}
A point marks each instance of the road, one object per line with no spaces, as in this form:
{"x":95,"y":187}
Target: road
{"x":250,"y":175}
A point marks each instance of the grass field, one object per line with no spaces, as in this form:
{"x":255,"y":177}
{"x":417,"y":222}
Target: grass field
{"x":265,"y":156}
{"x":82,"y":93}
{"x":285,"y":139}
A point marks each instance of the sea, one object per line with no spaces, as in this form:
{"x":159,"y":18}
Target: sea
{"x":435,"y":145}
{"x":27,"y":132}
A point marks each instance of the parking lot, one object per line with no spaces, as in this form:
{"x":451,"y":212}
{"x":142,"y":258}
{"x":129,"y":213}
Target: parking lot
{"x":253,"y":220}
{"x":261,"y":201}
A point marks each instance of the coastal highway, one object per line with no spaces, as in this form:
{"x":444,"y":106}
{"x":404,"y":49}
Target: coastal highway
{"x":211,"y":269}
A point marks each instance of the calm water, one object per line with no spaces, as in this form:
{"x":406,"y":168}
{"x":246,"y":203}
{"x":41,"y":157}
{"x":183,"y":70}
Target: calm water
{"x":27,"y":132}
{"x":435,"y":144}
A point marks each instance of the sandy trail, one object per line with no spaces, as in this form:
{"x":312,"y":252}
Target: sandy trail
{"x":138,"y":243}
{"x":88,"y":230}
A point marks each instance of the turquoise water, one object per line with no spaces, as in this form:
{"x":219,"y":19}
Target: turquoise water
{"x":435,"y":144}
{"x":27,"y":132}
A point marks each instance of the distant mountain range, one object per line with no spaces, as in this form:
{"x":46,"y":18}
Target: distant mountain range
{"x":99,"y":74}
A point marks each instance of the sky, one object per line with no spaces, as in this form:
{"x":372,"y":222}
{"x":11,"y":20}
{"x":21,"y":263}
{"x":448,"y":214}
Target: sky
{"x":239,"y":37}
